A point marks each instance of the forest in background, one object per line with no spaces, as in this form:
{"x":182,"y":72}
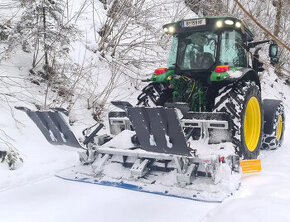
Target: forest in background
{"x":67,"y":41}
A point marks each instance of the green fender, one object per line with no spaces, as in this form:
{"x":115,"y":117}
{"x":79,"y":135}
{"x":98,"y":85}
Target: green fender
{"x":236,"y":74}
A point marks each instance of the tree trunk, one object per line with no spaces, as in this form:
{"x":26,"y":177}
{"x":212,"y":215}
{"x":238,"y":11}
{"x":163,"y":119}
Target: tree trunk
{"x":36,"y":47}
{"x":278,"y":17}
{"x":44,"y":37}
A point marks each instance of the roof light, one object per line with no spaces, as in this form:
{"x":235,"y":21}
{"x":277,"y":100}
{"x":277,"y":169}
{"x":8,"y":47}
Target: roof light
{"x":171,"y":29}
{"x":160,"y":71}
{"x":229,"y":22}
{"x":219,"y":24}
{"x":222,"y":68}
{"x":238,"y":25}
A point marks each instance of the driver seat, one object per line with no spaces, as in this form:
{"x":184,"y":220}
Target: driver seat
{"x":205,"y":60}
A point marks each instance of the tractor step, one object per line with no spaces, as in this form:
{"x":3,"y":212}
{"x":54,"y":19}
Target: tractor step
{"x":251,"y":166}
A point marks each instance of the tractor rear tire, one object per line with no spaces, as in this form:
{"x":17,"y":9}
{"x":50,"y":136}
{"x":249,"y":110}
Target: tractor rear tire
{"x":274,"y":124}
{"x":242,"y":101}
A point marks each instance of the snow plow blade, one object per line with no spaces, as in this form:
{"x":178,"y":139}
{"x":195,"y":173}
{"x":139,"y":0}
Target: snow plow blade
{"x":251,"y":166}
{"x":53,"y":126}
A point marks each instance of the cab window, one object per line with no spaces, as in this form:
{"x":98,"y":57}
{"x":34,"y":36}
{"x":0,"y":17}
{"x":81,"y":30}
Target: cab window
{"x":231,"y":51}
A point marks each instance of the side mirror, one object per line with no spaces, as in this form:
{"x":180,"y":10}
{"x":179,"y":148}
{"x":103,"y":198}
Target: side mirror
{"x":244,"y":37}
{"x":274,"y":60}
{"x":273,"y":50}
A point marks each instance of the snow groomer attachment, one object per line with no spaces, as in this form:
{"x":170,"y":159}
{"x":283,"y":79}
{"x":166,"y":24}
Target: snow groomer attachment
{"x":158,"y":158}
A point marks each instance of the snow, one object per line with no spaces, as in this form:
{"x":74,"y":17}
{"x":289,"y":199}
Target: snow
{"x":121,"y":141}
{"x":262,"y":197}
{"x":235,"y":74}
{"x":32,"y":193}
{"x":56,"y":200}
{"x":41,"y":159}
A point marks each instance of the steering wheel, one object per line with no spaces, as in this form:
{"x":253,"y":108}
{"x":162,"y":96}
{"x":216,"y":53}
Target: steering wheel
{"x":212,"y":44}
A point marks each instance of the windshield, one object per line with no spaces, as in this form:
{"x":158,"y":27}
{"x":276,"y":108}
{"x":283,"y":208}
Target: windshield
{"x":197,"y":50}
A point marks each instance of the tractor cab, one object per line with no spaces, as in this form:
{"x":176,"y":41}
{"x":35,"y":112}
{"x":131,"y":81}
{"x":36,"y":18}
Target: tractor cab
{"x":200,"y":46}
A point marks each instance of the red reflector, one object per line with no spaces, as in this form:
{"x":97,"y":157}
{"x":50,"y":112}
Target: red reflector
{"x":160,"y":71}
{"x":222,"y":68}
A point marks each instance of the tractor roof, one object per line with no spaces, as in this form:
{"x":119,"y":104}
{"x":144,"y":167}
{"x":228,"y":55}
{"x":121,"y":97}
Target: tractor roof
{"x":213,"y":23}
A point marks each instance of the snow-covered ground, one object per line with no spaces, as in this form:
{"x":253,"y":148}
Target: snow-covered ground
{"x":32,"y":193}
{"x":56,"y":200}
{"x":36,"y":195}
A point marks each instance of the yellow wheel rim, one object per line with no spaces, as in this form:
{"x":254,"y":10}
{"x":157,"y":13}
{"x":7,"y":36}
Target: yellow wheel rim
{"x":252,"y":124}
{"x":279,"y":128}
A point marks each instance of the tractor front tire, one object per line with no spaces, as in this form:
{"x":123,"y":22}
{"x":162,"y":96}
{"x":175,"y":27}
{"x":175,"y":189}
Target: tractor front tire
{"x":242,"y":101}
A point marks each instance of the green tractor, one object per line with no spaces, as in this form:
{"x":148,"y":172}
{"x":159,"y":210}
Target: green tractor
{"x":197,"y":125}
{"x":211,"y":70}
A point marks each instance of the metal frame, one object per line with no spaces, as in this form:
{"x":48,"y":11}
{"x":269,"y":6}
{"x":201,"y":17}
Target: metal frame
{"x":203,"y":124}
{"x":116,"y":122}
{"x":185,"y":166}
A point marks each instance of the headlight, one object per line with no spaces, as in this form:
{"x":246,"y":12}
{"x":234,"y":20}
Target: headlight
{"x":229,"y":22}
{"x":171,"y":29}
{"x":238,"y":25}
{"x":219,"y":24}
